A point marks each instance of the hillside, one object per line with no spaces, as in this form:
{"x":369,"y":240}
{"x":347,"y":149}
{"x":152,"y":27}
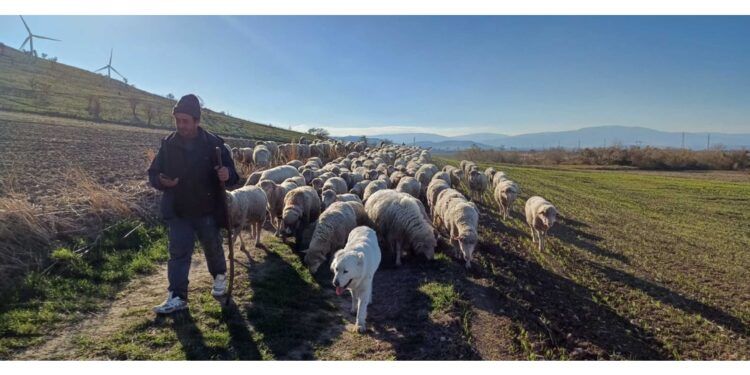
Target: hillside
{"x":35,"y":85}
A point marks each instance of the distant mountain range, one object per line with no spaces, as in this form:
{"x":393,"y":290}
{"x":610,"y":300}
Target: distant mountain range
{"x":586,"y":137}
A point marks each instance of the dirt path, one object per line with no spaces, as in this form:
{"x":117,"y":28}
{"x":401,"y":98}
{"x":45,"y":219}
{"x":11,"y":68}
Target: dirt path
{"x":137,"y":298}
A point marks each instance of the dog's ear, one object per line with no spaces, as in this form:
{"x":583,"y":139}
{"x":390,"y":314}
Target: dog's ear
{"x":360,"y":259}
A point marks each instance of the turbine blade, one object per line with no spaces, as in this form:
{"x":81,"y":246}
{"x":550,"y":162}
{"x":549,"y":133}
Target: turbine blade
{"x":24,"y":23}
{"x":101,"y":69}
{"x":110,"y":56}
{"x":118,"y":73}
{"x":48,"y":38}
{"x":24,"y":42}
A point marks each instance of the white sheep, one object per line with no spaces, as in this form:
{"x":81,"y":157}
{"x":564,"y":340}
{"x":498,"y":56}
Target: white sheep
{"x":477,"y":184}
{"x":301,"y":208}
{"x":279,"y":174}
{"x":541,"y":216}
{"x":247,"y":209}
{"x":246,"y":155}
{"x":359,"y":188}
{"x":403,"y":223}
{"x":329,"y":196}
{"x":331,"y":231}
{"x":275,"y":194}
{"x":506,"y":193}
{"x":442,"y":204}
{"x":490,"y":172}
{"x":498,"y":177}
{"x":373,"y":187}
{"x":455,"y":174}
{"x":411,"y":186}
{"x":460,"y":222}
{"x":436,"y":186}
{"x":424,"y":176}
{"x":396,"y":177}
{"x":442,"y":176}
{"x":295,"y":163}
{"x":336,"y":184}
{"x":262,"y":156}
{"x":297,"y":180}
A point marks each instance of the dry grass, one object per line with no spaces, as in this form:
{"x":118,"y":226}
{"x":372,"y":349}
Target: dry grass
{"x":25,"y":235}
{"x":102,"y":202}
{"x":28,"y":231}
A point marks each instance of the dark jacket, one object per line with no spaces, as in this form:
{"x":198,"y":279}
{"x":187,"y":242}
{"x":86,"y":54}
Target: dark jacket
{"x":198,"y":192}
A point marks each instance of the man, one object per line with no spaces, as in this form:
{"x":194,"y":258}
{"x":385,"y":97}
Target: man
{"x":186,"y":170}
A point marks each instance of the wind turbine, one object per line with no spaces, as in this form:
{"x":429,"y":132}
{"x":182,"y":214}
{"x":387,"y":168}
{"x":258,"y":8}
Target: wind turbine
{"x":109,"y":67}
{"x":30,"y":39}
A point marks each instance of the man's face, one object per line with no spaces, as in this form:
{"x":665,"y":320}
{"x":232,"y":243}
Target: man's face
{"x":186,"y":125}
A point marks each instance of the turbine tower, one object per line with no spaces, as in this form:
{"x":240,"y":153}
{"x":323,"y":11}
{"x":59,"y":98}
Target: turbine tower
{"x":30,"y":39}
{"x":110,"y":68}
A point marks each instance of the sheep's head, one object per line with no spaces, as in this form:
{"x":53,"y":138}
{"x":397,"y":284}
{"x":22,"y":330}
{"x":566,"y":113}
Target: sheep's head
{"x":329,"y":197}
{"x":313,"y":260}
{"x":253,"y":179}
{"x":548,"y":216}
{"x":268,"y":187}
{"x":317,"y":184}
{"x":290,"y":216}
{"x":427,"y":247}
{"x":309,"y":175}
{"x":467,"y":242}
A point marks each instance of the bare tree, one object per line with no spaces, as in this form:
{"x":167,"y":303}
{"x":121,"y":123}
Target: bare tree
{"x":95,"y":107}
{"x":134,"y":101}
{"x":152,"y":111}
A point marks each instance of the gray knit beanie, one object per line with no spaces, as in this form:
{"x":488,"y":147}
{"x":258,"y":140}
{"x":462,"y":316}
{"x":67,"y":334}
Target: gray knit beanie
{"x":189,"y":104}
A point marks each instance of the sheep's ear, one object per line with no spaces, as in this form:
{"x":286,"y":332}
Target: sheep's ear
{"x":305,"y":251}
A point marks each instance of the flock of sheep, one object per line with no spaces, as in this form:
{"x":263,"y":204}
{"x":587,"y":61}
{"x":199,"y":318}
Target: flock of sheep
{"x":348,"y":194}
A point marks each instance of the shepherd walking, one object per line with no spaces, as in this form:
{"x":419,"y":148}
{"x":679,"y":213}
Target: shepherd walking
{"x":186,"y":169}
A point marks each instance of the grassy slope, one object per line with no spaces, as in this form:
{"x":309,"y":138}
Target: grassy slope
{"x":667,"y":254}
{"x":25,"y":80}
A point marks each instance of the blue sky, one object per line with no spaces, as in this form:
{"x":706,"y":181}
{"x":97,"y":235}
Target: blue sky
{"x":447,"y":75}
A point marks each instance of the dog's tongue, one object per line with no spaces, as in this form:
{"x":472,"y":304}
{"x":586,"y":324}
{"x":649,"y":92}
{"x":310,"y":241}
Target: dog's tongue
{"x":339,"y":290}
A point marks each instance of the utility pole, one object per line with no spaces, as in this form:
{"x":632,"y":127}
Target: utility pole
{"x":708,"y":142}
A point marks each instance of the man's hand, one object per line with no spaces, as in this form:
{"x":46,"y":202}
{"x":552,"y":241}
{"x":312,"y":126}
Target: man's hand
{"x":223,"y":173}
{"x":168,"y":182}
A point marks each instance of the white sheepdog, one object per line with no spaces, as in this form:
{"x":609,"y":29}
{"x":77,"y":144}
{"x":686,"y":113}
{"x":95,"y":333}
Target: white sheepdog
{"x":354,"y":267}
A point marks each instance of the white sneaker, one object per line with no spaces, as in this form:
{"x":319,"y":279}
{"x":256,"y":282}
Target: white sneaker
{"x":171,"y":304}
{"x":220,"y":286}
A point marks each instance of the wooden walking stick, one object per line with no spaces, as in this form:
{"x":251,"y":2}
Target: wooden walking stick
{"x":228,"y":295}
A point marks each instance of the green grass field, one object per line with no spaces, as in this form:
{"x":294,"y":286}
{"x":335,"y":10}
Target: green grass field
{"x":666,"y":256}
{"x":35,"y":85}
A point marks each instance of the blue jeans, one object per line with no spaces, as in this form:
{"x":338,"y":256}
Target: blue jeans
{"x":182,"y":233}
